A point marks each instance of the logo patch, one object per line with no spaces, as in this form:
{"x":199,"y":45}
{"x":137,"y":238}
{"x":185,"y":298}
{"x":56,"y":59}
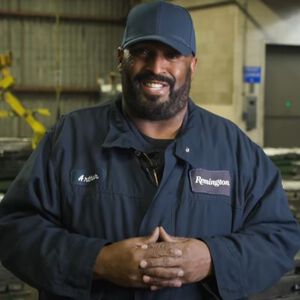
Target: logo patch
{"x":84,"y":177}
{"x":210,"y":182}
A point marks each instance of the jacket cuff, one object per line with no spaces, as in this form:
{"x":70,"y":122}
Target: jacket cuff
{"x":227,"y":268}
{"x":79,"y":275}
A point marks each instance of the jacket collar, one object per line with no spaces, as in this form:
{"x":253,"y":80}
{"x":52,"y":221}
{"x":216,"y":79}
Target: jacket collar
{"x":187,"y":144}
{"x":121,"y":132}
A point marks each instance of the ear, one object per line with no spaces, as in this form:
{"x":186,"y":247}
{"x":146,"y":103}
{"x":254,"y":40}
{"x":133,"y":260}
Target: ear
{"x":193,"y":65}
{"x":120,"y":58}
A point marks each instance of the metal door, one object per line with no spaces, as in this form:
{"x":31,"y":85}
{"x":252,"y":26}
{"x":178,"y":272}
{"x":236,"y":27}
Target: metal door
{"x":282,"y":96}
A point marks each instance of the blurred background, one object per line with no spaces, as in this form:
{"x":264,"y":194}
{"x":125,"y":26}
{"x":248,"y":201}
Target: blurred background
{"x":60,"y":55}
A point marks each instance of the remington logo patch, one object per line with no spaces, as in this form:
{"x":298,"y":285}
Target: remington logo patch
{"x":84,"y":177}
{"x":210,"y":182}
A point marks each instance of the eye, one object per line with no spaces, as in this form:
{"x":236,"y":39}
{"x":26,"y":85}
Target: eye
{"x":139,"y":52}
{"x":172,"y":54}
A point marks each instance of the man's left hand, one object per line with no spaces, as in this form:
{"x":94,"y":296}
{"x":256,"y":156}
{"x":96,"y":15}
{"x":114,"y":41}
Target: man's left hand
{"x":193,"y":265}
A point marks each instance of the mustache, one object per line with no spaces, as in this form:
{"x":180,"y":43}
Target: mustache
{"x":149,"y":76}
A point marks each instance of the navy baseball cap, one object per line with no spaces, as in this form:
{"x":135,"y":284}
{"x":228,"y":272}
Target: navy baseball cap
{"x":161,"y":21}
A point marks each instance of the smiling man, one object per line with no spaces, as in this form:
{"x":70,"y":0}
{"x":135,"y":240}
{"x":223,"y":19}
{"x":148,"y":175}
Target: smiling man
{"x":148,"y":196}
{"x":156,"y":80}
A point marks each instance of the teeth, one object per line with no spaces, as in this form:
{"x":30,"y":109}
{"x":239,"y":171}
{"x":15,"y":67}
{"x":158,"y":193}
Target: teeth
{"x":153,"y":85}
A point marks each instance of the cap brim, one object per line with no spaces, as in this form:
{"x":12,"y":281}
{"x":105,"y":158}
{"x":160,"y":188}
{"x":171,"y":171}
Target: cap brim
{"x":176,"y":44}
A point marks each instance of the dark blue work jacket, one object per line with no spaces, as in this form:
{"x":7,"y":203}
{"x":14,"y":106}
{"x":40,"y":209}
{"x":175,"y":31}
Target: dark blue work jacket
{"x":83,"y":188}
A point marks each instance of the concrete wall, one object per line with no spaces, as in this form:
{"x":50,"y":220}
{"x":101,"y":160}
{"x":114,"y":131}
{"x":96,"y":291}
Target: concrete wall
{"x":231,"y":34}
{"x":218,"y":43}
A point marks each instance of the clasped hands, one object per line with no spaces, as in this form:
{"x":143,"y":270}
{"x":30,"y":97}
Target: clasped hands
{"x":156,"y":261}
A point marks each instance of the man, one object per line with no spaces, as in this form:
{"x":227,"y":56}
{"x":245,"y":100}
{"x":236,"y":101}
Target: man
{"x":149,"y":196}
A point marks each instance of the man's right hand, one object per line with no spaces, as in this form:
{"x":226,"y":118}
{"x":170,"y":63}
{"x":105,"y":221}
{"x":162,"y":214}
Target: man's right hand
{"x":120,"y":262}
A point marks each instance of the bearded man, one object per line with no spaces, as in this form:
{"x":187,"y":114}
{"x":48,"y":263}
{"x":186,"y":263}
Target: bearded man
{"x":148,"y":196}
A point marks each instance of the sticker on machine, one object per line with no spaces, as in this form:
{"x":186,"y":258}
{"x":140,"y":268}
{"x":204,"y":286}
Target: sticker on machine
{"x":210,"y":182}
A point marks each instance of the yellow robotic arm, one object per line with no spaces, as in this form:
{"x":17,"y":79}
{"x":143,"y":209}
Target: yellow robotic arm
{"x":6,"y":82}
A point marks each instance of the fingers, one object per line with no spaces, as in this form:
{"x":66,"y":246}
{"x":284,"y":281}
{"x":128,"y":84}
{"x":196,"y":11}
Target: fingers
{"x":165,"y":236}
{"x":164,"y":262}
{"x":162,"y":249}
{"x":157,"y":283}
{"x":153,"y":238}
{"x":163,"y":273}
{"x":142,"y":242}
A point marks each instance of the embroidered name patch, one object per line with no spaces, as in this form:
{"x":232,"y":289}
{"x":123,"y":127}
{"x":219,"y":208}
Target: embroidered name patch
{"x":210,"y":182}
{"x":84,"y":177}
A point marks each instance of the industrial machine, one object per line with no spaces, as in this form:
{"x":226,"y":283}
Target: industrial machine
{"x":288,"y":162}
{"x":12,"y":288}
{"x":16,"y":107}
{"x":13,"y":153}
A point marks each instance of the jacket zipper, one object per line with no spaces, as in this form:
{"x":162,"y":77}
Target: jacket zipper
{"x":152,"y":172}
{"x":207,"y":287}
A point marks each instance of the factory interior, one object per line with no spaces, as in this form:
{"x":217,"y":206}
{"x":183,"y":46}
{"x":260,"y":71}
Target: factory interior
{"x":57,"y":56}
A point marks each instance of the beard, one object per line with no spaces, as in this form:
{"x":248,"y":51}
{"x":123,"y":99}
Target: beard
{"x":150,"y":107}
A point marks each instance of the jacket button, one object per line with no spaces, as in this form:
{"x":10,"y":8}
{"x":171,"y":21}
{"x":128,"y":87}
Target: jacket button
{"x":137,"y":153}
{"x":187,"y":149}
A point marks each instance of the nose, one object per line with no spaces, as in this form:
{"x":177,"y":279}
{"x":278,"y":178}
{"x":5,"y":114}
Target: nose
{"x":157,"y":64}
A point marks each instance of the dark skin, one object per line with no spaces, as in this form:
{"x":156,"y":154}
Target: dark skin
{"x":158,"y":59}
{"x":159,"y":260}
{"x":193,"y":265}
{"x":156,"y":261}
